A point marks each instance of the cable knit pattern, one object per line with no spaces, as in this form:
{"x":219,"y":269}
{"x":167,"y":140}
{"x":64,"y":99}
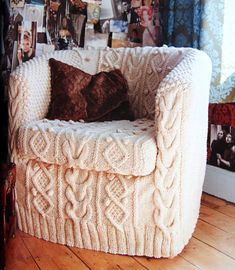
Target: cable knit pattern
{"x":123,"y":147}
{"x":100,"y":204}
{"x":30,"y":87}
{"x":144,"y":68}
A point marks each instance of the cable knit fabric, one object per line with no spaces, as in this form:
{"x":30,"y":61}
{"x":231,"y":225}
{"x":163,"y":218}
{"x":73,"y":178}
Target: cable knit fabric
{"x":144,"y":68}
{"x":135,"y":214}
{"x":123,"y":147}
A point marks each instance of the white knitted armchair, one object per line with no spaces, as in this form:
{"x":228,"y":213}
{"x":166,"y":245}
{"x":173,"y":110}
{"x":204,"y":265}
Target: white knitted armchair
{"x":121,"y":187}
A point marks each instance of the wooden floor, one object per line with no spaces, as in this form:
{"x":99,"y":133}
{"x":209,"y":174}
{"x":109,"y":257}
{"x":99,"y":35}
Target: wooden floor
{"x":212,"y":247}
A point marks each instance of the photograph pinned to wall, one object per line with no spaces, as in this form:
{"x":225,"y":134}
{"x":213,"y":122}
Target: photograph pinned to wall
{"x":65,"y":26}
{"x":16,"y":17}
{"x":146,"y":15}
{"x":134,"y":17}
{"x":117,"y":26}
{"x":17,"y":3}
{"x":222,"y":147}
{"x":135,"y":34}
{"x":77,"y":5}
{"x":51,"y":23}
{"x":34,"y":13}
{"x":26,"y":43}
{"x":125,"y":10}
{"x":93,"y":13}
{"x":65,"y":40}
{"x":106,"y":10}
{"x":105,"y":26}
{"x":94,"y":39}
{"x":221,"y":136}
{"x":115,"y":9}
{"x":150,"y":21}
{"x":120,"y":39}
{"x":78,"y":23}
{"x":136,"y":3}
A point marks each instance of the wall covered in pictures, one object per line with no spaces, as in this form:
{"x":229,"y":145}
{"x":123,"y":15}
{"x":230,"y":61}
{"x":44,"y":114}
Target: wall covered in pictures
{"x":40,"y":26}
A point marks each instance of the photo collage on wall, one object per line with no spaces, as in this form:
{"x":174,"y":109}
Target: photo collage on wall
{"x":40,"y":26}
{"x":221,"y":136}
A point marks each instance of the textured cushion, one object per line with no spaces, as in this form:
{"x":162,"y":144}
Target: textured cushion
{"x":123,"y":147}
{"x":67,"y":100}
{"x":78,"y":95}
{"x":106,"y":92}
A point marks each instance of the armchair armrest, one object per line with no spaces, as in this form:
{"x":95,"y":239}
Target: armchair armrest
{"x":181,"y":121}
{"x":29,"y":96}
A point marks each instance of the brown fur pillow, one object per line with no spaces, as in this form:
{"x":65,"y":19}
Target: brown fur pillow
{"x":78,"y":95}
{"x":67,"y":100}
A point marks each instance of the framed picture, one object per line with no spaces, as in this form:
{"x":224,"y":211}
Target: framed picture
{"x":221,"y":136}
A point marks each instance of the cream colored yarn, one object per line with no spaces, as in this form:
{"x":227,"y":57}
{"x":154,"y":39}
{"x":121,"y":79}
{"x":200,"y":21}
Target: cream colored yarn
{"x":114,"y":208}
{"x":123,"y":147}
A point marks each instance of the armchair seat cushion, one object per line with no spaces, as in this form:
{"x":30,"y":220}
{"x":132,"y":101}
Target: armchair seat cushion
{"x":123,"y":147}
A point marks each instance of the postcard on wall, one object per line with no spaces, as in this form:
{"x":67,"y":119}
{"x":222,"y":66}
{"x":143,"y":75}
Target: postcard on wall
{"x":17,"y":3}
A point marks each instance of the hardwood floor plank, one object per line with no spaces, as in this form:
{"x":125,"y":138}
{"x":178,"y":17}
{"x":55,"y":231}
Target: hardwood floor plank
{"x":105,"y":261}
{"x":211,"y":201}
{"x":219,"y":239}
{"x":18,"y":256}
{"x":206,"y":257}
{"x":211,"y":248}
{"x":228,"y":210}
{"x":217,"y":219}
{"x":50,"y":256}
{"x":177,"y":263}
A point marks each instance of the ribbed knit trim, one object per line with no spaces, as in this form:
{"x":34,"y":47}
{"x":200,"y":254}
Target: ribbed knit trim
{"x":141,"y":241}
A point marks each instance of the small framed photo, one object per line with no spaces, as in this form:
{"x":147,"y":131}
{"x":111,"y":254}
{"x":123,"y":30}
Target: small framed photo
{"x":221,"y":136}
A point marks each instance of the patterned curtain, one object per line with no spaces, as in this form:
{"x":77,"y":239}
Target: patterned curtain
{"x":217,"y":40}
{"x":206,"y":25}
{"x":182,"y":23}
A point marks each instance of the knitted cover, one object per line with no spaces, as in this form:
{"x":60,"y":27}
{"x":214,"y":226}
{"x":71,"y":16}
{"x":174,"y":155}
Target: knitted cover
{"x":152,"y":215}
{"x":124,"y":147}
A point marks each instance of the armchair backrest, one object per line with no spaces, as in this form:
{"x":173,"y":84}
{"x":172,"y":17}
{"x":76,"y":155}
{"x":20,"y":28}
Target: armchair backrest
{"x":144,"y":68}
